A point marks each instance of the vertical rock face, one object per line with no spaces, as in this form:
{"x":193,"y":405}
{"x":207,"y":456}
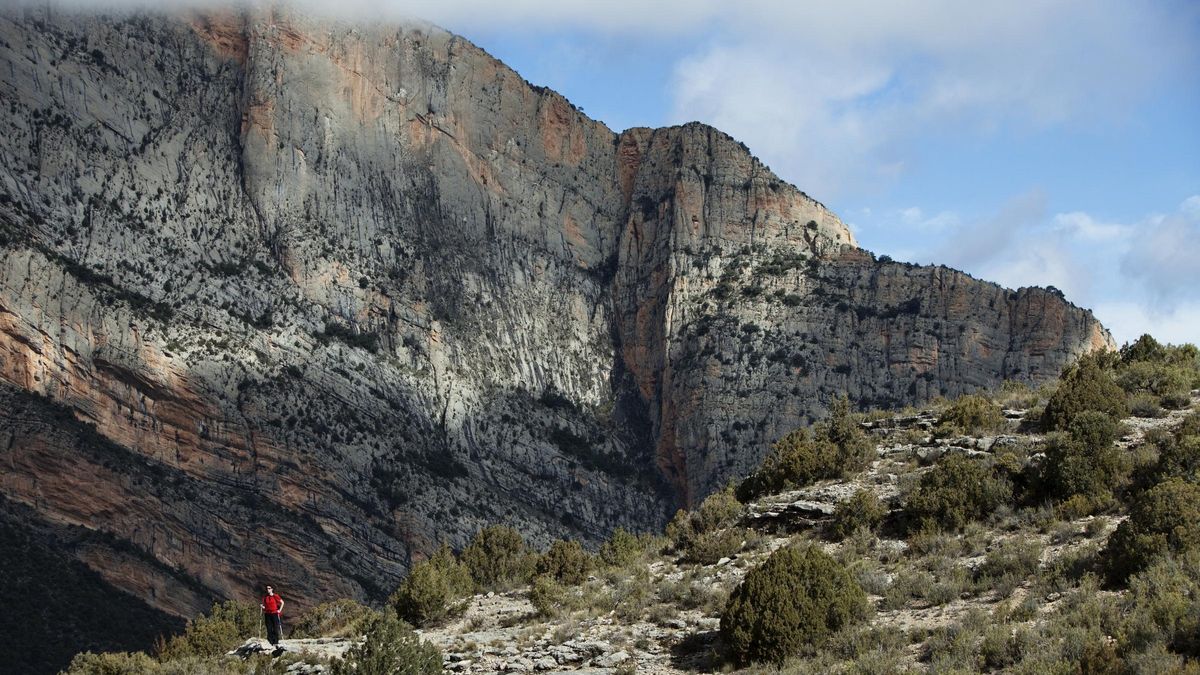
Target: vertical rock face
{"x":360,"y":289}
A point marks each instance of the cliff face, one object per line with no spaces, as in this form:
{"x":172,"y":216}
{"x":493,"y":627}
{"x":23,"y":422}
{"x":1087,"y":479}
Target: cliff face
{"x":368,"y":282}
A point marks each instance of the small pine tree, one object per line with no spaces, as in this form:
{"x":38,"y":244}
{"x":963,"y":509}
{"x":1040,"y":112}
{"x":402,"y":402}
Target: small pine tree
{"x":793,"y":601}
{"x":1086,"y":385}
{"x":622,"y":548}
{"x":433,"y":589}
{"x":708,"y":533}
{"x":862,"y":510}
{"x":1162,"y":521}
{"x":1083,"y":462}
{"x":498,"y":557}
{"x":955,"y":492}
{"x":566,"y":562}
{"x":546,"y":595}
{"x":836,"y":447}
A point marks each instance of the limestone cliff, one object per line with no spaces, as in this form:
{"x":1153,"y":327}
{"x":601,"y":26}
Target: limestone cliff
{"x":367,"y":282}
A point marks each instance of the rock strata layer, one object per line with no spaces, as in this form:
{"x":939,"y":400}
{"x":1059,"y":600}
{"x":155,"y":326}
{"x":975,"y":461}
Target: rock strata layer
{"x":331,"y":294}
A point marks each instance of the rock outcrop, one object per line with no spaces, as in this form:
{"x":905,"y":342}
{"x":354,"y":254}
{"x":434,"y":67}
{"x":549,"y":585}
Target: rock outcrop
{"x":335,"y":293}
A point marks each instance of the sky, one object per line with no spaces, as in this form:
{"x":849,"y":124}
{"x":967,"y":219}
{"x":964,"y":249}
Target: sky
{"x":1027,"y":142}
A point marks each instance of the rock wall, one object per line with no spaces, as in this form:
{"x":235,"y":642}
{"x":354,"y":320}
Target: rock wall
{"x":361,"y":289}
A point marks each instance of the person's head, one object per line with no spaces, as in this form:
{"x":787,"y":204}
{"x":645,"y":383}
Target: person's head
{"x":270,"y":590}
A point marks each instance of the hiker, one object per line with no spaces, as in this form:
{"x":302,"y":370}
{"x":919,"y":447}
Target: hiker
{"x":272,"y":607}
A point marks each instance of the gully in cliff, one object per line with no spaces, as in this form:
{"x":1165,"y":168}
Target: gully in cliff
{"x":272,"y":607}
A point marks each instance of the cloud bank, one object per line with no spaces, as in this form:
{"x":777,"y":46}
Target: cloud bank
{"x":1138,"y":277}
{"x":836,"y":94}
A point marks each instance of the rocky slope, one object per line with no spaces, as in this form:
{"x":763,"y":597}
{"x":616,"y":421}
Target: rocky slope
{"x":661,"y":614}
{"x":365,"y":285}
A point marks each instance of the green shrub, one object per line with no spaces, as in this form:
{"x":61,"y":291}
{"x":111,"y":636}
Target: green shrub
{"x":1176,"y":453}
{"x":862,"y":510}
{"x":338,"y":618}
{"x":1145,"y":348}
{"x":566,"y":562}
{"x":971,"y":414}
{"x":797,"y":459}
{"x":226,"y":626}
{"x":795,"y":600}
{"x":708,"y":548}
{"x":498,"y":558}
{"x":1015,"y":559}
{"x":632,"y":594}
{"x":624,"y":548}
{"x":1085,"y":385}
{"x":547,"y":596}
{"x":835,"y":447}
{"x":390,"y":648}
{"x":433,"y":589}
{"x":1176,"y":401}
{"x":1167,"y":373}
{"x":1146,"y":406}
{"x":855,"y":447}
{"x":1163,"y":606}
{"x":955,"y":492}
{"x":1162,"y":521}
{"x":1083,"y":461}
{"x":119,"y":663}
{"x":1180,"y":456}
{"x":718,"y":511}
{"x":1154,"y":378}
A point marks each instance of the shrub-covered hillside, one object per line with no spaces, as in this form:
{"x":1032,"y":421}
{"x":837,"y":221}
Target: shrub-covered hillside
{"x":1017,"y":531}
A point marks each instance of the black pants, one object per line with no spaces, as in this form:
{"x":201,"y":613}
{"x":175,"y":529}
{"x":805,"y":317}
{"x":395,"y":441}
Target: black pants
{"x":274,"y":628}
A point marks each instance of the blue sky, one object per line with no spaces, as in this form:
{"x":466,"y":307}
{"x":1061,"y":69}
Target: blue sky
{"x":1028,"y":142}
{"x":1048,"y":143}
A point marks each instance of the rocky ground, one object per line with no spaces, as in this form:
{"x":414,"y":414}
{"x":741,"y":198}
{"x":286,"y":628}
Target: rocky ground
{"x":662,"y":616}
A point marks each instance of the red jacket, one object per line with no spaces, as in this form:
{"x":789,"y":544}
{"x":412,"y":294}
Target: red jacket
{"x":272,"y":604}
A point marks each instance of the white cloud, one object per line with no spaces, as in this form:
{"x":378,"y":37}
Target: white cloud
{"x":1164,"y":257}
{"x":1084,"y":226}
{"x":1191,"y":206}
{"x":982,"y":243}
{"x":835,"y":95}
{"x":1127,"y":320}
{"x":914,"y":217}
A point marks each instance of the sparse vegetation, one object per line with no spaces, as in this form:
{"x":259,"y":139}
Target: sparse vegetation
{"x":337,"y":618}
{"x":1001,"y":571}
{"x":971,"y":414}
{"x":390,"y":648}
{"x":214,"y":634}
